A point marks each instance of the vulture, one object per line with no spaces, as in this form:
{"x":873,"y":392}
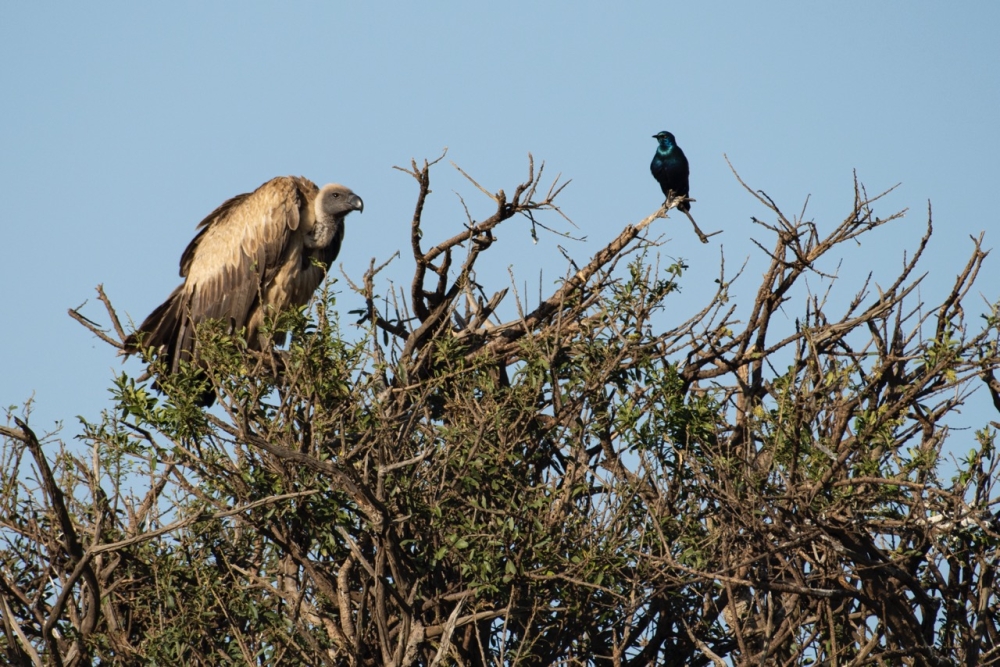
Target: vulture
{"x":256,"y":255}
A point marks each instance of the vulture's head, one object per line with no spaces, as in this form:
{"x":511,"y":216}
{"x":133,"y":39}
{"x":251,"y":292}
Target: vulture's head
{"x":332,"y":205}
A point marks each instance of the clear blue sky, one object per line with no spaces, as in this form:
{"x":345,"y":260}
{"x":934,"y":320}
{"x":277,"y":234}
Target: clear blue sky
{"x":123,"y":124}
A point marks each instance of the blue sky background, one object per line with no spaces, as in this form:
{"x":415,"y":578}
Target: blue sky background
{"x":123,"y":124}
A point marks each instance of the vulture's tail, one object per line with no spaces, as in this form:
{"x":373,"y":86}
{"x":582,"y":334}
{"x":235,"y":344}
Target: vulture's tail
{"x":170,"y":330}
{"x":161,"y":331}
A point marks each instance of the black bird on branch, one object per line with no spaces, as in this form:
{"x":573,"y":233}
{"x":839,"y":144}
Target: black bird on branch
{"x":670,"y":169}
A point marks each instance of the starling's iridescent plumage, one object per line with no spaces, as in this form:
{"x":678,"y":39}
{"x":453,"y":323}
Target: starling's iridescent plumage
{"x":670,"y":168}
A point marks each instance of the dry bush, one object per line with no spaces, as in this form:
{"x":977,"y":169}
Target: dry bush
{"x":574,"y":486}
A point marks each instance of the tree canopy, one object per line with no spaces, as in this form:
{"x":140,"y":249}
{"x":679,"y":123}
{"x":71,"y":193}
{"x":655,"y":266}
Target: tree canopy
{"x":598,"y":480}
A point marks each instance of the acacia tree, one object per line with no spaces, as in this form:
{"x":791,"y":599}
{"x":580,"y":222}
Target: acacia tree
{"x":577,"y":485}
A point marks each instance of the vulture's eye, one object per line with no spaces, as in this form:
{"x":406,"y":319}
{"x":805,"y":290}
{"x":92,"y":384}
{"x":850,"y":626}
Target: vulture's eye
{"x":336,"y":194}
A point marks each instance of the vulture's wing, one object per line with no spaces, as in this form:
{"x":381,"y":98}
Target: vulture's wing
{"x":240,"y":245}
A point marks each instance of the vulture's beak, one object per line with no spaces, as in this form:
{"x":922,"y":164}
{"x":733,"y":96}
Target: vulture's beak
{"x":357,"y":204}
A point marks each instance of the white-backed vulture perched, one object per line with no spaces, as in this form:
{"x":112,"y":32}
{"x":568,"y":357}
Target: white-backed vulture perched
{"x":258,"y":254}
